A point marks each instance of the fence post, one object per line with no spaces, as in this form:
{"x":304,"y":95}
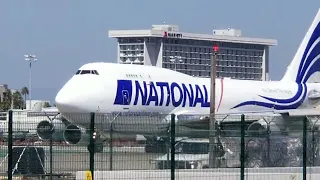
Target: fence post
{"x":92,"y":145}
{"x":242,"y":151}
{"x":168,"y":146}
{"x":111,"y":146}
{"x":10,"y":146}
{"x":313,"y":143}
{"x":268,"y":144}
{"x":51,"y":155}
{"x":173,"y":143}
{"x":305,"y":148}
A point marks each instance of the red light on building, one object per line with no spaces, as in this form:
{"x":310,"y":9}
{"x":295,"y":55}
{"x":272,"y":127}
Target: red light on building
{"x":165,"y":34}
{"x":215,"y":48}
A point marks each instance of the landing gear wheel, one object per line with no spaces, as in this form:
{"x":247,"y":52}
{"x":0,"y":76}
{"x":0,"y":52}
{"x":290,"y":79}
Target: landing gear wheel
{"x":97,"y":148}
{"x":89,"y":148}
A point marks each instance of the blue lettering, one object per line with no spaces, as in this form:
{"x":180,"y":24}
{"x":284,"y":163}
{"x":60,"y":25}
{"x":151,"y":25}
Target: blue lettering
{"x":174,"y":102}
{"x":174,"y":92}
{"x":190,"y":95}
{"x":153,"y":95}
{"x":198,"y":99}
{"x":144,"y":93}
{"x":161,"y":85}
{"x":135,"y":113}
{"x":206,"y":103}
{"x":168,"y":94}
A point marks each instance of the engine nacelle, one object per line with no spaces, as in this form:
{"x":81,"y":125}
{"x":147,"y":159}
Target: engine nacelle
{"x":262,"y":128}
{"x":74,"y":134}
{"x":54,"y":129}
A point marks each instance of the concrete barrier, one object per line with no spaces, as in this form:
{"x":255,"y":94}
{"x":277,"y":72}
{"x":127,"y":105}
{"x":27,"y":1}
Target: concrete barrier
{"x":212,"y":174}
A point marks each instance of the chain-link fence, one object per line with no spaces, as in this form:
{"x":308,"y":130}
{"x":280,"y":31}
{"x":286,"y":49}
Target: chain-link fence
{"x":157,"y":146}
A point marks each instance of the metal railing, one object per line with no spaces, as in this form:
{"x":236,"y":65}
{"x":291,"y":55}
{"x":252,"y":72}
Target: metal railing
{"x":159,"y":146}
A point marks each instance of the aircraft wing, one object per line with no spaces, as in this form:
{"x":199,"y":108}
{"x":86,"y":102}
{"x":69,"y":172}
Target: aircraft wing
{"x":300,"y":112}
{"x":250,"y":116}
{"x":290,"y":112}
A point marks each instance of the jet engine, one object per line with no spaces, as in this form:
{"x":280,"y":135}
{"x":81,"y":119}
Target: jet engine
{"x":262,"y":128}
{"x":74,"y":134}
{"x":54,"y":129}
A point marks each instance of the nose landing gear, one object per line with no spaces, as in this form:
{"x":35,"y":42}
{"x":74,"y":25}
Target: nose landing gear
{"x":97,"y":144}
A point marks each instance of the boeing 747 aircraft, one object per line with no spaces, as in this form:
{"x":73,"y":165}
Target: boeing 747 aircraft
{"x":126,"y":89}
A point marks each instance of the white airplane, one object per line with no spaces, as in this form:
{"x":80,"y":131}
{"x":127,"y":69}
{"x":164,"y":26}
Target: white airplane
{"x":25,"y":122}
{"x":126,"y":89}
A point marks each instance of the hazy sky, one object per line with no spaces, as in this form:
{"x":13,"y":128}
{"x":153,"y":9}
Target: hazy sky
{"x":67,"y":34}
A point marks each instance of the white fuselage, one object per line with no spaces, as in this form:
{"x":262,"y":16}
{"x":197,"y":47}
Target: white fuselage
{"x":112,"y":89}
{"x":139,"y":89}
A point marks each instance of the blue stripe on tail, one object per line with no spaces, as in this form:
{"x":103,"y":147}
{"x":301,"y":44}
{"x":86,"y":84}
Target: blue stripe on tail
{"x":309,"y":64}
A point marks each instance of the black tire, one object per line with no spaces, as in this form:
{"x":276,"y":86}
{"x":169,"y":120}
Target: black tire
{"x":98,"y":148}
{"x":89,"y":148}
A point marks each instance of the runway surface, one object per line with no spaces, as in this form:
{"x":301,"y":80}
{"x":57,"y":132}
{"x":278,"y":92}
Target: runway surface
{"x":72,"y":159}
{"x":68,"y":160}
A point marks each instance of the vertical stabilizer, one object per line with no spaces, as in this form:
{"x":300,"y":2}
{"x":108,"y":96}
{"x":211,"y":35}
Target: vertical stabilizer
{"x":305,"y":66}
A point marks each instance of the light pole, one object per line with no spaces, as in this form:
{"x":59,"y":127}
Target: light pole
{"x":212,"y":154}
{"x":174,"y":60}
{"x":30,"y":59}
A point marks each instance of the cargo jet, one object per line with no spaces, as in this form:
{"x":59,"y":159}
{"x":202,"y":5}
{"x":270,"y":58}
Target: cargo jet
{"x":143,"y":94}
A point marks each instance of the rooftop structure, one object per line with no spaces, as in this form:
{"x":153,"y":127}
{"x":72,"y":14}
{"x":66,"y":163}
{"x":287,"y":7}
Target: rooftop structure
{"x":190,"y":53}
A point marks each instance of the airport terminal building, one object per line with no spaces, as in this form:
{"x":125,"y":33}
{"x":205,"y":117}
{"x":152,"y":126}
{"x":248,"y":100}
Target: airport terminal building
{"x":167,"y":47}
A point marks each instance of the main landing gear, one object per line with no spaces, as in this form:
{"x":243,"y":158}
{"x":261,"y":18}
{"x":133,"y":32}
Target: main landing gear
{"x":97,"y":144}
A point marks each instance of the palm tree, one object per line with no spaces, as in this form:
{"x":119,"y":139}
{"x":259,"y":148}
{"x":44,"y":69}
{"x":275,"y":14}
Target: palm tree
{"x":5,"y":105}
{"x":46,"y":104}
{"x":17,"y":100}
{"x":25,"y":92}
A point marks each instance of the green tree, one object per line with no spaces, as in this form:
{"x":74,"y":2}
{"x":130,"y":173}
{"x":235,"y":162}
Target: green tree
{"x":17,"y":100}
{"x":25,"y":92}
{"x":46,"y":104}
{"x":5,"y":105}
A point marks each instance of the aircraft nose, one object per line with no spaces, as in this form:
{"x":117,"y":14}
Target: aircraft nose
{"x":75,"y":98}
{"x":68,"y":102}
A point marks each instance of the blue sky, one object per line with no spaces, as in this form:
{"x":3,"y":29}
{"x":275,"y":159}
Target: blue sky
{"x":67,"y":34}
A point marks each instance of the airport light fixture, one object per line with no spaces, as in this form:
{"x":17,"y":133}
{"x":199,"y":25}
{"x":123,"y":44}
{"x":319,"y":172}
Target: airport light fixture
{"x":213,"y":73}
{"x":174,"y":60}
{"x":30,"y":59}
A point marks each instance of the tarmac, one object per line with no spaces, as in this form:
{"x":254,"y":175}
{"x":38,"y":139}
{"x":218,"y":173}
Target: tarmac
{"x":73,"y":159}
{"x":67,"y":160}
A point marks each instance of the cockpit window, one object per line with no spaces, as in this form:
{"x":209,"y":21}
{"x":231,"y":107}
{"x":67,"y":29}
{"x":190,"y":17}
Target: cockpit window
{"x":96,"y":72}
{"x":87,"y":72}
